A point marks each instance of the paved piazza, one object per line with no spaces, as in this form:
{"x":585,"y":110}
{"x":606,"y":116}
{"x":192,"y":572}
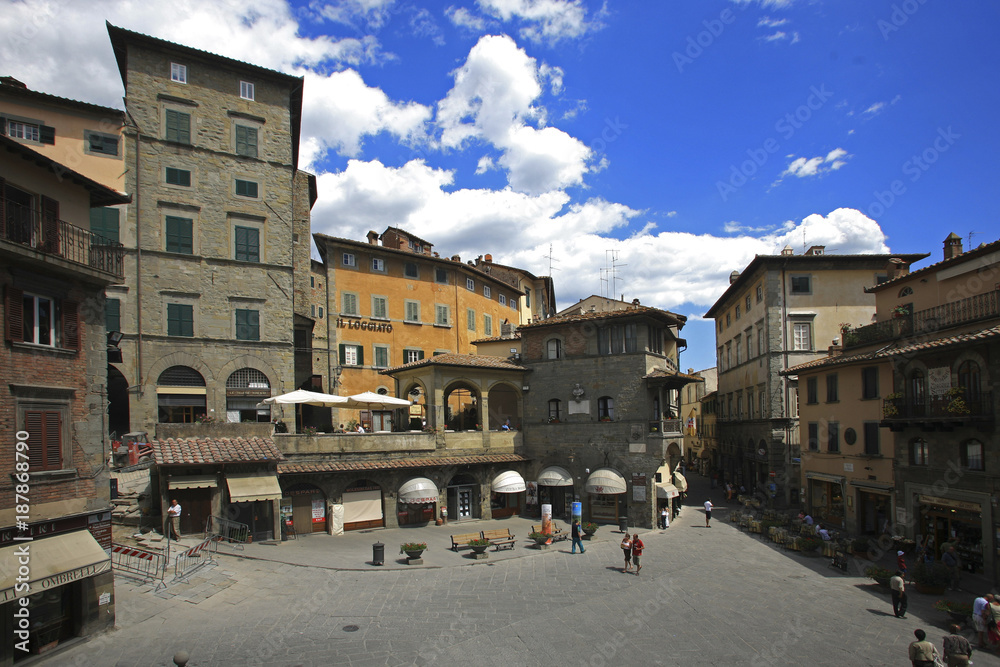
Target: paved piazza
{"x":705,"y":597}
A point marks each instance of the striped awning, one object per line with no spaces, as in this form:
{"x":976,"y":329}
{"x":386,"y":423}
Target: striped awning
{"x":509,"y":481}
{"x":605,"y":481}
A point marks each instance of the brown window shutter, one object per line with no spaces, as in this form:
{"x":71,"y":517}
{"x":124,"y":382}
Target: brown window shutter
{"x":53,"y":440}
{"x":71,"y":325}
{"x":36,"y":440}
{"x":14,"y":314}
{"x":50,"y":226}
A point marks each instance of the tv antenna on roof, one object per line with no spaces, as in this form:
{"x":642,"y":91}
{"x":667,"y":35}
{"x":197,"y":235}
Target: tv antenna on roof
{"x":971,"y":234}
{"x":612,"y":273}
{"x":551,"y":259}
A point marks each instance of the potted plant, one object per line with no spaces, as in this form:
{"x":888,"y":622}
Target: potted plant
{"x":809,"y":545}
{"x":589,"y":529}
{"x":931,"y":578}
{"x":889,"y":408}
{"x":959,"y":611}
{"x":413,"y":550}
{"x":956,"y":401}
{"x":900,"y":311}
{"x":309,"y":430}
{"x":479,"y":546}
{"x":540,"y":538}
{"x":879,"y":574}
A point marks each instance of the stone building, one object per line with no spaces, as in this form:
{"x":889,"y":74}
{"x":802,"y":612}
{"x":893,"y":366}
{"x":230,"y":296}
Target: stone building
{"x":695,"y":449}
{"x":781,"y":311}
{"x":55,"y":507}
{"x":217,"y":239}
{"x":600,"y":410}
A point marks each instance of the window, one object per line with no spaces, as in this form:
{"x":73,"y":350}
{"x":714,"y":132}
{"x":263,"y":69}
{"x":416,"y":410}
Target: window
{"x":441,"y":276}
{"x":749,"y":403}
{"x":487,"y":325}
{"x":833,"y":437}
{"x":104,"y":223}
{"x":746,"y":303}
{"x":349,"y":303}
{"x":737,"y":311}
{"x":502,"y":299}
{"x":179,"y":235}
{"x":181,"y":177}
{"x":760,"y":293}
{"x":412,"y":311}
{"x":178,"y":73}
{"x":380,"y":307}
{"x":869,"y":382}
{"x":739,"y":350}
{"x":349,"y":259}
{"x":906,"y":291}
{"x":760,"y":340}
{"x":617,"y":339}
{"x":178,"y":127}
{"x":739,"y":405}
{"x":246,"y":188}
{"x":470,"y":319}
{"x":831,"y":388}
{"x":246,"y":141}
{"x":247,"y":244}
{"x":721,"y":359}
{"x":872,"y":447}
{"x":246,"y":90}
{"x":410,"y":270}
{"x":180,"y":319}
{"x":352,"y":355}
{"x":728,"y":319}
{"x":802,"y":336}
{"x":378,"y":264}
{"x":655,"y":335}
{"x":606,"y":408}
{"x":919,"y":452}
{"x":27,"y":131}
{"x":486,"y":291}
{"x":321,"y":312}
{"x":442,"y":315}
{"x":813,"y":437}
{"x":794,"y":400}
{"x":39,"y":317}
{"x":812,"y":391}
{"x":247,"y":324}
{"x":729,"y":354}
{"x":554,"y":349}
{"x":968,"y":379}
{"x":972,"y":455}
{"x":100,"y":143}
{"x":410,"y":356}
{"x":44,"y":429}
{"x":555,"y":411}
{"x":470,"y":284}
{"x":527,"y":297}
{"x":381,"y":356}
{"x":112,"y":314}
{"x":801,"y":285}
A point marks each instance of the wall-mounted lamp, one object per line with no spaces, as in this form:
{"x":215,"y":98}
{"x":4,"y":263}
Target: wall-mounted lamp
{"x":525,"y":388}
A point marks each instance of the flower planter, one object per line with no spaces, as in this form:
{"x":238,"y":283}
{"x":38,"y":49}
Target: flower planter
{"x":477,"y":549}
{"x":414,"y":555}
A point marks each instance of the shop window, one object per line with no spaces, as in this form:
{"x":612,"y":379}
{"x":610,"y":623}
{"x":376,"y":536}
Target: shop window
{"x":606,"y":408}
{"x":919,"y":452}
{"x":972,"y":455}
{"x":180,"y":408}
{"x":244,"y":388}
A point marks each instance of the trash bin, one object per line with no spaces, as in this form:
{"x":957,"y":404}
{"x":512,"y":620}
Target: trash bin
{"x":623,"y":523}
{"x":378,"y":553}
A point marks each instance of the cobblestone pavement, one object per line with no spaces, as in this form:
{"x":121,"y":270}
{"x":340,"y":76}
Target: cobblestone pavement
{"x":706,"y":596}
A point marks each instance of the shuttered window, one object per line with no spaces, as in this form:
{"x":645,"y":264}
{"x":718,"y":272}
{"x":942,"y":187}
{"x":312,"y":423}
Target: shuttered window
{"x":247,"y":244}
{"x":44,"y":429}
{"x":246,"y":141}
{"x":178,"y":127}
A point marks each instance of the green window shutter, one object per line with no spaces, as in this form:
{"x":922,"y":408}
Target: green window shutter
{"x":246,"y":188}
{"x":361,"y":356}
{"x":343,"y":354}
{"x":420,"y":354}
{"x":179,"y":235}
{"x":178,"y":177}
{"x":178,"y":127}
{"x":247,"y":244}
{"x":246,"y":141}
{"x":112,"y":314}
{"x":180,"y":320}
{"x":46,"y":134}
{"x":104,"y":222}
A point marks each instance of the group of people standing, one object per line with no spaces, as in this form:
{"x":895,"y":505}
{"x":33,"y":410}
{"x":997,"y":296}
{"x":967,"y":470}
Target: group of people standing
{"x":632,"y":547}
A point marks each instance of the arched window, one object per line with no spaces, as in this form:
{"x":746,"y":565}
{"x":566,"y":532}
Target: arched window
{"x":972,"y":455}
{"x":906,"y":291}
{"x":245,"y":389}
{"x":176,"y":405}
{"x":968,"y":379}
{"x":555,"y":410}
{"x":606,"y":408}
{"x":918,"y":452}
{"x":555,"y":350}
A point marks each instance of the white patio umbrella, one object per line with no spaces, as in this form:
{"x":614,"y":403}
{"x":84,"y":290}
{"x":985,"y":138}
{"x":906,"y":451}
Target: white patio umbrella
{"x":301,"y":396}
{"x":372,"y":401}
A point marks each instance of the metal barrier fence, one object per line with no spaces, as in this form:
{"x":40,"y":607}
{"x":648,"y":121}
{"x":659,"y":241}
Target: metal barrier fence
{"x":139,"y":562}
{"x":189,"y":560}
{"x":235,"y":533}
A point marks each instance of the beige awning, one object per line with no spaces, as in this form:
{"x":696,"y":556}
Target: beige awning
{"x":605,"y":481}
{"x":666,"y":491}
{"x":509,"y":481}
{"x":52,"y":561}
{"x":555,"y":476}
{"x":199,"y":482}
{"x":250,"y":487}
{"x":419,"y":490}
{"x":680,"y":482}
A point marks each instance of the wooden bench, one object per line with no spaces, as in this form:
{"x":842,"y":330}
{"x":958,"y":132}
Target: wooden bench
{"x":499,"y":538}
{"x":557,"y":533}
{"x":459,"y":541}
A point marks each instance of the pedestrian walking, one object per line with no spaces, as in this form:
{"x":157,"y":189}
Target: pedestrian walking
{"x":637,"y":547}
{"x":922,"y":652}
{"x":897,"y":588}
{"x":979,"y":605}
{"x":627,"y":549}
{"x":708,"y":513}
{"x":950,"y":559}
{"x":957,"y":650}
{"x":901,"y":563}
{"x":577,"y":535}
{"x":664,"y":518}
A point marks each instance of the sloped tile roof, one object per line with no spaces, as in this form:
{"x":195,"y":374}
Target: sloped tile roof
{"x":658,"y":373}
{"x":469,"y":360}
{"x":174,"y":451}
{"x":890,"y":351}
{"x":516,"y":336}
{"x":400,"y":463}
{"x":588,"y":316}
{"x":984,"y":249}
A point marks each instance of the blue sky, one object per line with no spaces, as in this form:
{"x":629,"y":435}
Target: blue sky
{"x":674,"y":140}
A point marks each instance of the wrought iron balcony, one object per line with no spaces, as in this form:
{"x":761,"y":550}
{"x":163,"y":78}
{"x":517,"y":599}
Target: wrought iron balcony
{"x":667,"y":427}
{"x":958,"y":408}
{"x":58,"y":238}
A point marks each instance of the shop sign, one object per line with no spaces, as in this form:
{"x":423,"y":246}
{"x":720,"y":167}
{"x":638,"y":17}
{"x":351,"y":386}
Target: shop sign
{"x":953,"y":504}
{"x":248,"y":393}
{"x":365,"y":325}
{"x":101,"y":530}
{"x":318,"y":511}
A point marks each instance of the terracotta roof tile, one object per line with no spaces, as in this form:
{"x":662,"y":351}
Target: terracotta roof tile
{"x":401,"y":463}
{"x":469,"y":360}
{"x":174,"y":451}
{"x":631,"y":311}
{"x":984,"y":249}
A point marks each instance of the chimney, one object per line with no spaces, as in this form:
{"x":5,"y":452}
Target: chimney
{"x":836,"y":349}
{"x":373,"y":238}
{"x":896,"y":268}
{"x":733,"y":277}
{"x":635,"y":303}
{"x":456,"y":258}
{"x":952,"y":246}
{"x":816,"y":250}
{"x":489,"y":258}
{"x":787,"y":250}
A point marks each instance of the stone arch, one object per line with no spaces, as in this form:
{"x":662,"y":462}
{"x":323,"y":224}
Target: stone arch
{"x":504,"y":405}
{"x":250,"y":361}
{"x":420,"y":398}
{"x":463,"y":402}
{"x":179,"y":359}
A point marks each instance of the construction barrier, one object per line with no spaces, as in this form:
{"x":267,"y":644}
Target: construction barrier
{"x":232,"y":532}
{"x":189,"y":560}
{"x":141,"y":563}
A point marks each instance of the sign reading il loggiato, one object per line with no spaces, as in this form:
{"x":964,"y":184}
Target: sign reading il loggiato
{"x":366,"y":325}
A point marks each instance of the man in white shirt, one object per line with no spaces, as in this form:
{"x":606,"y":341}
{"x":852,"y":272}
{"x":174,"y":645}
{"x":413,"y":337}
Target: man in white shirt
{"x":174,"y":519}
{"x":708,"y":513}
{"x":898,"y":590}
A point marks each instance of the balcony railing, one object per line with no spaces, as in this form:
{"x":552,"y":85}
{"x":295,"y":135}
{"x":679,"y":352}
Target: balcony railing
{"x":58,"y":238}
{"x":938,"y":407}
{"x":964,"y":311}
{"x":672,"y":427}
